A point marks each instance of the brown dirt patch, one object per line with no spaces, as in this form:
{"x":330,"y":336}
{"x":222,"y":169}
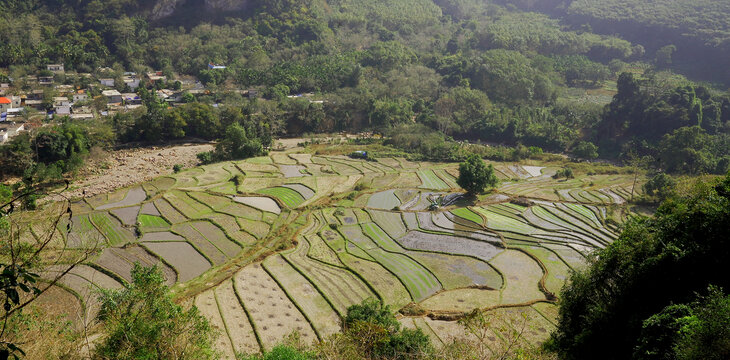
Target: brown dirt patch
{"x":273,"y":314}
{"x":106,"y":171}
{"x":259,"y":202}
{"x":239,"y":328}
{"x":161,"y":236}
{"x":120,"y":261}
{"x":208,"y":307}
{"x":149,"y":209}
{"x":128,"y":215}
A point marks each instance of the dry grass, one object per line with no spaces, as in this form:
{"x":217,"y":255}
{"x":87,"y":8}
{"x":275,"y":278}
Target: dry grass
{"x":274,"y":316}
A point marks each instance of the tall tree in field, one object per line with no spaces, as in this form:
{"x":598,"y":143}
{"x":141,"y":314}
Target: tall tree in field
{"x":475,"y":175}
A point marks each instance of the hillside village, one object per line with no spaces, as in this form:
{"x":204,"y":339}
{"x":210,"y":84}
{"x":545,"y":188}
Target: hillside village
{"x":54,"y":94}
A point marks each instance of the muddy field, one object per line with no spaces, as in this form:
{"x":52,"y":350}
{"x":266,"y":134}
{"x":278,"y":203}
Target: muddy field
{"x":274,"y":316}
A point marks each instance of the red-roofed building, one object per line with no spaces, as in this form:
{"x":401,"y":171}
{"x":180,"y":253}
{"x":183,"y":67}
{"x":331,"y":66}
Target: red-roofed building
{"x":5,"y":104}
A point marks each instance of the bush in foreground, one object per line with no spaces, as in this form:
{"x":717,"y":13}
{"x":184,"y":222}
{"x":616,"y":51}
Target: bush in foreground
{"x":655,"y":263}
{"x":376,"y":333}
{"x":142,"y":322}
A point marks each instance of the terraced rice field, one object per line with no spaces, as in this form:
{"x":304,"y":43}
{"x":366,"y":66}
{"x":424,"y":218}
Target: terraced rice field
{"x":111,"y":228}
{"x":120,"y":262}
{"x":313,"y":305}
{"x":384,"y":200}
{"x":469,"y":215}
{"x":205,"y":232}
{"x":431,"y":181}
{"x":340,"y":285}
{"x":152,"y":222}
{"x":289,"y":197}
{"x":273,"y":315}
{"x":419,"y":281}
{"x":188,"y":262}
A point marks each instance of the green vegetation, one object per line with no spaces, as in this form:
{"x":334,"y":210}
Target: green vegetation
{"x":566,"y":173}
{"x":375,"y":332}
{"x":693,"y":42}
{"x":431,"y":181}
{"x":698,"y":330}
{"x":655,"y":263}
{"x":46,"y":155}
{"x":468,"y":215}
{"x":289,"y":197}
{"x":678,"y":127}
{"x":504,"y":223}
{"x":110,"y":227}
{"x":142,"y":321}
{"x":152,"y":221}
{"x":281,"y":352}
{"x":475,"y":176}
{"x":235,"y":145}
{"x":660,"y":186}
{"x":442,"y":81}
{"x":472,"y":71}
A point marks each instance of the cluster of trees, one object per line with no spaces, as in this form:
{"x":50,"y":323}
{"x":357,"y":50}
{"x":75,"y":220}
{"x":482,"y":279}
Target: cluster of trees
{"x":157,"y":122}
{"x":303,"y":46}
{"x":684,"y":128}
{"x":47,"y":154}
{"x":697,"y":41}
{"x":423,"y":143}
{"x":473,"y":71}
{"x":235,"y":145}
{"x":658,"y":292}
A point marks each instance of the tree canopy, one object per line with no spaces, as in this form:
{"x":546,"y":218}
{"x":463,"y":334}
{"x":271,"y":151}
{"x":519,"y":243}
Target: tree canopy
{"x":656,"y":262}
{"x":475,"y":176}
{"x":142,"y":321}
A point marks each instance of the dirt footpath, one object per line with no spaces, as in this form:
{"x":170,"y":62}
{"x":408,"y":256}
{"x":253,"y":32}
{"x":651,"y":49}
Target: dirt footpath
{"x":108,"y":171}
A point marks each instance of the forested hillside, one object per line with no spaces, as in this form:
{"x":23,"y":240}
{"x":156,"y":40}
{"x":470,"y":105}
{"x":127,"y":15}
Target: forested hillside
{"x":465,"y":69}
{"x":693,"y":36}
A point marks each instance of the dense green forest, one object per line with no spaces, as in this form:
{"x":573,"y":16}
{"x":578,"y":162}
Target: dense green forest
{"x":691,"y":35}
{"x":465,"y":69}
{"x":657,"y":291}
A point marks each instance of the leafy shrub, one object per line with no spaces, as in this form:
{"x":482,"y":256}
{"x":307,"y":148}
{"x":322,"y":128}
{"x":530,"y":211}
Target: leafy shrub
{"x":372,"y":311}
{"x":661,"y":186}
{"x":585,"y":150}
{"x":655,"y":263}
{"x":564,"y":173}
{"x":205,"y":157}
{"x":377,"y":333}
{"x":238,"y":179}
{"x":143,"y":322}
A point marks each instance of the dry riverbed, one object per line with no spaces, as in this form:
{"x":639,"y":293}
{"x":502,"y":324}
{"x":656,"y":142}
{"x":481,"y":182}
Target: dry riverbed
{"x":107,"y":171}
